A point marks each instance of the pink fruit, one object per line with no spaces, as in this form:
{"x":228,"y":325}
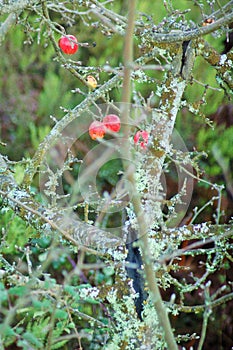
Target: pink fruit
{"x":68,"y":44}
{"x":96,"y":130}
{"x":112,"y":122}
{"x":141,"y":137}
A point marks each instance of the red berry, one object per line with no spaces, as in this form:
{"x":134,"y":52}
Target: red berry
{"x":96,"y":130}
{"x":112,"y":122}
{"x":141,"y":137}
{"x":68,"y":44}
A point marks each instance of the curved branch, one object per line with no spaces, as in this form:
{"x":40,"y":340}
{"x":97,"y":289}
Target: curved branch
{"x":15,"y":6}
{"x":75,"y":231}
{"x":179,"y":36}
{"x":7,"y":24}
{"x":201,"y":308}
{"x":206,"y":233}
{"x":222,"y":63}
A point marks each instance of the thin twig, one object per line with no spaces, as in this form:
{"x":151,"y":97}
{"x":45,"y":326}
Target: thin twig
{"x":200,"y":308}
{"x":7,"y":24}
{"x":136,"y":201}
{"x":179,"y":36}
{"x":50,"y":222}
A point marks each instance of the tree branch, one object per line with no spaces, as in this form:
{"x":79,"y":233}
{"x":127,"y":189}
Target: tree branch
{"x":7,"y":24}
{"x":136,"y":200}
{"x":77,"y":232}
{"x":179,"y":36}
{"x":200,"y":308}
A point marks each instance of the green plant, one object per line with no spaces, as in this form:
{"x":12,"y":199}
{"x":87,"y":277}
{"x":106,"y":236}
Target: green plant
{"x":100,"y":245}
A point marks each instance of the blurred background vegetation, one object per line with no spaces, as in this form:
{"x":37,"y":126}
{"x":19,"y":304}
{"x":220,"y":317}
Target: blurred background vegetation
{"x":33,"y":87}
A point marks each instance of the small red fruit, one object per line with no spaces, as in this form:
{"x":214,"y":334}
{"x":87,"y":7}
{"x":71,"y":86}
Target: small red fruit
{"x":96,"y":130}
{"x":68,"y":44}
{"x":112,"y":122}
{"x":141,"y":137}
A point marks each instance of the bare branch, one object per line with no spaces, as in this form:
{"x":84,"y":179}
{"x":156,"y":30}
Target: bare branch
{"x":179,"y":36}
{"x":79,"y":233}
{"x":7,"y":24}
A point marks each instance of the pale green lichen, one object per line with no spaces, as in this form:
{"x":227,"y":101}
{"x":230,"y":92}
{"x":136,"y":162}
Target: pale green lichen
{"x":127,"y":327}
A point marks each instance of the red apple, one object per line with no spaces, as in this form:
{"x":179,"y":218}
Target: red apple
{"x":96,"y":130}
{"x":112,"y":122}
{"x":141,"y":137}
{"x":68,"y":44}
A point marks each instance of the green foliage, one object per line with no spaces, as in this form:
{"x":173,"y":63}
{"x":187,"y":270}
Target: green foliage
{"x":37,"y":134}
{"x":32,"y":323}
{"x":53,"y":95}
{"x":54,"y":295}
{"x":110,"y":172}
{"x":3,"y":293}
{"x":219,"y":142}
{"x":14,"y":232}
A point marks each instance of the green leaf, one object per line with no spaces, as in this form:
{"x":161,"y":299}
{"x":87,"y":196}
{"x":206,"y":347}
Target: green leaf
{"x":109,"y":171}
{"x":18,"y":232}
{"x":59,"y":345}
{"x":19,"y":291}
{"x":3,"y":293}
{"x":30,"y":337}
{"x":61,"y":314}
{"x":42,"y":305}
{"x":91,"y":301}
